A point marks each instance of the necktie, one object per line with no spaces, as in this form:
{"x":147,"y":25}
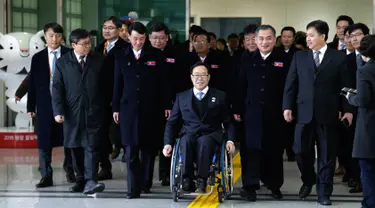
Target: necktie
{"x":109,"y":47}
{"x":137,"y":56}
{"x":53,"y":67}
{"x":342,"y":46}
{"x":200,"y":95}
{"x":359,"y":61}
{"x":82,"y":62}
{"x":54,"y":53}
{"x":316,"y":58}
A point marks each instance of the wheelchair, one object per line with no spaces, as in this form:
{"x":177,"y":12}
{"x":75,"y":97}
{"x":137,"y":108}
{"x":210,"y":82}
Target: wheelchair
{"x":220,"y":174}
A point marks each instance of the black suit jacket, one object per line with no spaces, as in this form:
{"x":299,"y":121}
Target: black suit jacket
{"x":79,"y":97}
{"x":315,"y":93}
{"x":364,"y":142}
{"x":109,"y":66}
{"x":334,"y":44}
{"x":186,"y":121}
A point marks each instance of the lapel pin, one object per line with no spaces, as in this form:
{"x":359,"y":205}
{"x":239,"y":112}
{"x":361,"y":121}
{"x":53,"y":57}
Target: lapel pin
{"x":129,"y":63}
{"x":213,"y":99}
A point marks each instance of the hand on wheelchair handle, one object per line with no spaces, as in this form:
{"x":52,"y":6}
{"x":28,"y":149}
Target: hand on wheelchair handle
{"x":167,"y":150}
{"x":230,"y":148}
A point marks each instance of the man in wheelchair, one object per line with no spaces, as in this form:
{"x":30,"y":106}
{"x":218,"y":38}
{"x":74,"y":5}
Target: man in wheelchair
{"x":199,"y":115}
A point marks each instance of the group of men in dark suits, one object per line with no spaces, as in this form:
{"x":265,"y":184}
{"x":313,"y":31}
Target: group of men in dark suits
{"x":135,"y":83}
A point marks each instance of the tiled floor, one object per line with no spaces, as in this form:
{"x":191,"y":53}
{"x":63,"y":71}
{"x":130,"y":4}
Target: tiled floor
{"x":19,"y":174}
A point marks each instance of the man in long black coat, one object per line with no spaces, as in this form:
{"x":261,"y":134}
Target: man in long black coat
{"x":50,"y":133}
{"x":140,"y":104}
{"x":258,"y":103}
{"x":78,"y":103}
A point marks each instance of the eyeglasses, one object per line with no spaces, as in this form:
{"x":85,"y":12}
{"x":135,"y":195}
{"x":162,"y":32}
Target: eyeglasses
{"x":161,"y":38}
{"x":200,"y":42}
{"x":356,"y":35}
{"x":108,"y":28}
{"x":197,"y":76}
{"x":86,"y":45}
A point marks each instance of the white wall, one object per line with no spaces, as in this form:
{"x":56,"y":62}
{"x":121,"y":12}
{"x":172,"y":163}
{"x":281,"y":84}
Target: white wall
{"x":280,"y":13}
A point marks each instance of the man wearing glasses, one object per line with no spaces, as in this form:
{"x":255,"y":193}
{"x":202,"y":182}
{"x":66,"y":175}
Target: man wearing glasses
{"x":158,"y":37}
{"x":218,"y":63}
{"x":78,"y":103}
{"x":202,"y":110}
{"x":113,"y":43}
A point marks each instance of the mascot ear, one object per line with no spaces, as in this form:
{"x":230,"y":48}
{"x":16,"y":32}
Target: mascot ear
{"x":40,"y":35}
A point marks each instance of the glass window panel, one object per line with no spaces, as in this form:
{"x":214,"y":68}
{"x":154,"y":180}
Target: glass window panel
{"x":26,"y":20}
{"x":73,"y":9}
{"x":17,"y":19}
{"x":33,"y":4}
{"x":26,"y":4}
{"x":17,"y":3}
{"x":34,"y":20}
{"x":78,"y":8}
{"x":17,"y":29}
{"x":67,"y":6}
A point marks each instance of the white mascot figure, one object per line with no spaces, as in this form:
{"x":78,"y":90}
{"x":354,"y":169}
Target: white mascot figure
{"x":16,"y":51}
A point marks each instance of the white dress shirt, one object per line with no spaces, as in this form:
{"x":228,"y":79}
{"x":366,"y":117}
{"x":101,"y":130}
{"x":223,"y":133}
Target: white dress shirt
{"x":78,"y":57}
{"x":50,"y":56}
{"x":196,"y":91}
{"x":265,"y":56}
{"x":137,"y":53}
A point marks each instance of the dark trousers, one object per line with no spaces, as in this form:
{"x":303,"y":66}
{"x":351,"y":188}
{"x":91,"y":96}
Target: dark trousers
{"x":289,"y":139}
{"x":115,"y":136}
{"x":345,"y":145}
{"x":263,"y":165}
{"x":139,"y":163}
{"x":200,"y":149}
{"x":105,"y":144}
{"x":45,"y":159}
{"x":325,"y":138}
{"x":68,"y":161}
{"x":164,"y":166}
{"x":368,"y":182}
{"x":85,"y":163}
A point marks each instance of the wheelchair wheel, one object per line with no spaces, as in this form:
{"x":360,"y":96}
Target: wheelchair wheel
{"x":175,"y":171}
{"x":175,"y":194}
{"x":227,"y":173}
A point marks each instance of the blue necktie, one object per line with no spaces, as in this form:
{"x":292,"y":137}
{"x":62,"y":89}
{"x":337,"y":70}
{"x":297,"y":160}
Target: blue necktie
{"x":54,"y":53}
{"x":53,"y":67}
{"x":109,"y":47}
{"x":200,"y":95}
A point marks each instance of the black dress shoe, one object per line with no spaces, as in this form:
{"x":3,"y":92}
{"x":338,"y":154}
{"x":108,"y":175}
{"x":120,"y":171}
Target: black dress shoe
{"x":305,"y":191}
{"x":201,"y":185}
{"x":325,"y":201}
{"x":93,"y":187}
{"x":133,"y":196}
{"x":276,"y":194}
{"x":104,"y":175}
{"x":146,"y":191}
{"x":356,"y":189}
{"x":352,"y":183}
{"x":77,"y":188}
{"x":188,"y":185}
{"x":45,"y":182}
{"x":248,"y":194}
{"x":70,"y":177}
